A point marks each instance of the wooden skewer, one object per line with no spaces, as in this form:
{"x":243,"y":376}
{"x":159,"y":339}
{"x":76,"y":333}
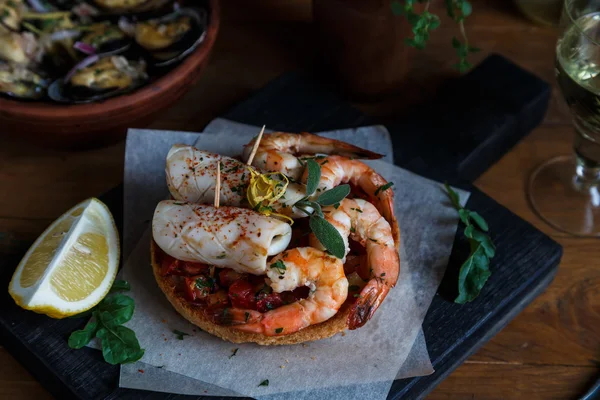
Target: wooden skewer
{"x":255,"y":148}
{"x":218,"y":186}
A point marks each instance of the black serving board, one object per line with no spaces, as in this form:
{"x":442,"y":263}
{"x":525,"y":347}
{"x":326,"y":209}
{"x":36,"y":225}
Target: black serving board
{"x":526,"y":259}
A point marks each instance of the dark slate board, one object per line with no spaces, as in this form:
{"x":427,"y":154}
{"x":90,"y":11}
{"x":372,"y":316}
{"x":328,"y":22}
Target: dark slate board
{"x":526,"y":259}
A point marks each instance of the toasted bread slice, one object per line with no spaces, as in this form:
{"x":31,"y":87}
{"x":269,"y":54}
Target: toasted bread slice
{"x":194,"y":314}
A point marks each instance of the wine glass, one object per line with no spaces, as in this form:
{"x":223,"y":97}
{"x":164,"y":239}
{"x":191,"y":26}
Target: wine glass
{"x":565,"y":191}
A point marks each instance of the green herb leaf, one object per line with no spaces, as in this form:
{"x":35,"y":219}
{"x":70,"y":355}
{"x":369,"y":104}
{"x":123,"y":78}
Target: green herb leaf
{"x":117,"y":309}
{"x":383,"y":188}
{"x":119,"y":344}
{"x":264,"y":383}
{"x":328,"y":236}
{"x":474,"y":273}
{"x":80,"y":338}
{"x":280,"y":266}
{"x":333,"y":196}
{"x":314,"y":176}
{"x":180,"y":334}
{"x":453,"y":196}
{"x":478,"y":219}
{"x":278,"y":330}
{"x":120,"y":285}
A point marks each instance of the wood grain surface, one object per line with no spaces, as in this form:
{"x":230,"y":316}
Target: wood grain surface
{"x":550,"y":351}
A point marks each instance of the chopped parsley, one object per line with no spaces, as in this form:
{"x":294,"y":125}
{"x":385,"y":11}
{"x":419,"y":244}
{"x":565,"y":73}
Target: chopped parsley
{"x":278,"y":330}
{"x":180,"y":334}
{"x":264,"y":383}
{"x":221,"y":256}
{"x":279,"y":265}
{"x":383,"y":188}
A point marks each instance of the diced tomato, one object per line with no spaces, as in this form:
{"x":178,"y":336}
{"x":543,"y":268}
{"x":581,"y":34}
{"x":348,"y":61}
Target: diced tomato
{"x":193,"y":268}
{"x":241,"y":294}
{"x":269,"y":302}
{"x":198,"y":287}
{"x":220,"y":298}
{"x":227,"y":276}
{"x":168,"y":264}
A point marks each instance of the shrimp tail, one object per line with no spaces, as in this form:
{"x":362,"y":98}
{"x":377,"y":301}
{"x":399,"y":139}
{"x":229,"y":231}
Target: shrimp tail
{"x":320,"y":144}
{"x":367,"y":303}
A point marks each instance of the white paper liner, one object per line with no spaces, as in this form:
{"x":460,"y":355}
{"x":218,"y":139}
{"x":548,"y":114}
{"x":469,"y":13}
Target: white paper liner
{"x":356,"y":361}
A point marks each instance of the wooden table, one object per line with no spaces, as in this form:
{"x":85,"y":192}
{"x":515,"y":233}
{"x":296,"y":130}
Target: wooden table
{"x":550,"y":351}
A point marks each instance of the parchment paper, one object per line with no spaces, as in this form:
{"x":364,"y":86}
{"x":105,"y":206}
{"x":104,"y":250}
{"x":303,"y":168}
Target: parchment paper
{"x":355,"y":361}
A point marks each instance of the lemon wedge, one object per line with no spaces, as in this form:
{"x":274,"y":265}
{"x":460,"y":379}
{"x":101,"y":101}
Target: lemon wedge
{"x":72,"y":265}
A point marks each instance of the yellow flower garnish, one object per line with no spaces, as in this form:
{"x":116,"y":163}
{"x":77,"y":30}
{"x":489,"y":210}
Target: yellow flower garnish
{"x":264,"y":191}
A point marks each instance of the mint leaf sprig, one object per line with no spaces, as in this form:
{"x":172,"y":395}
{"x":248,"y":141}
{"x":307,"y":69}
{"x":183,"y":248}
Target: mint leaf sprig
{"x":325,"y":233}
{"x":119,"y":343}
{"x":475,"y":271}
{"x":424,"y":23}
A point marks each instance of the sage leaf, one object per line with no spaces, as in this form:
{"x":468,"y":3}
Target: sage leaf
{"x":335,"y":195}
{"x":314,"y":176}
{"x":120,"y":285}
{"x":82,"y":337}
{"x":328,"y":236}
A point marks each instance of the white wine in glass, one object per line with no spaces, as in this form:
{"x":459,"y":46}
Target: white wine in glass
{"x":565,"y":190}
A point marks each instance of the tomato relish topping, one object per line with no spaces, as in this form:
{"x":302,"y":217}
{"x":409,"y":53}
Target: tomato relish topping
{"x":214,"y":289}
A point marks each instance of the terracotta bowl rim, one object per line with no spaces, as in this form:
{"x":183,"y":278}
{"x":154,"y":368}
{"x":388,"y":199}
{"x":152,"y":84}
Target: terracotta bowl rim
{"x":21,"y":109}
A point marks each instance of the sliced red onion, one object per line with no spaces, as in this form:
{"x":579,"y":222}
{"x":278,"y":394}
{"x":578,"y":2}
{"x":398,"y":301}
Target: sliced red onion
{"x":40,"y":6}
{"x":85,"y":10}
{"x":83,"y":64}
{"x":64,"y":34}
{"x":85,"y":48}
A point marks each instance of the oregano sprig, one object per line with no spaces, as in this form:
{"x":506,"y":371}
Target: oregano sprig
{"x":475,"y":270}
{"x":425,"y":22}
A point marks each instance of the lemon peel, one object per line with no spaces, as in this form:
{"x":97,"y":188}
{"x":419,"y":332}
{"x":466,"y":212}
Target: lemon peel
{"x":263,"y":191}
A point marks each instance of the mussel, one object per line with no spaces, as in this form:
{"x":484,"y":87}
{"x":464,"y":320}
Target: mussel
{"x":98,"y":78}
{"x":102,"y":37}
{"x":10,"y":15}
{"x":172,"y":37}
{"x":130,"y":6}
{"x":20,"y":82}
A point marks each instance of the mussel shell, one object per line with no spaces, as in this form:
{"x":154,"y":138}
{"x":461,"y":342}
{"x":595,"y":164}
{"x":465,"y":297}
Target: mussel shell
{"x":62,"y":92}
{"x":36,"y":92}
{"x":115,"y":46}
{"x":66,"y":93}
{"x":187,"y":44}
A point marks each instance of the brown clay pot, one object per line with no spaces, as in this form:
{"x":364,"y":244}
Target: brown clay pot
{"x":362,"y":44}
{"x":90,"y":125}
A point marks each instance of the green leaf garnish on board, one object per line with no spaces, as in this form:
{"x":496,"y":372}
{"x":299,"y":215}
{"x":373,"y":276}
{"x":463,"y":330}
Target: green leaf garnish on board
{"x":475,"y":271}
{"x":119,"y":343}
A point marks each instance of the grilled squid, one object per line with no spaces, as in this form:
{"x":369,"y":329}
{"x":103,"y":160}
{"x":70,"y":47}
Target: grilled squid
{"x":192,"y":176}
{"x":230,"y":237}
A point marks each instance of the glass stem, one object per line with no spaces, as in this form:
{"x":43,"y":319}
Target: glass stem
{"x":587,"y":151}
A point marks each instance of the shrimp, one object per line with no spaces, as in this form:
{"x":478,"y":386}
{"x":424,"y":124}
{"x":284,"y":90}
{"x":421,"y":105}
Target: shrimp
{"x":304,"y":266}
{"x":336,"y":170}
{"x":359,"y":220}
{"x":277,"y":151}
